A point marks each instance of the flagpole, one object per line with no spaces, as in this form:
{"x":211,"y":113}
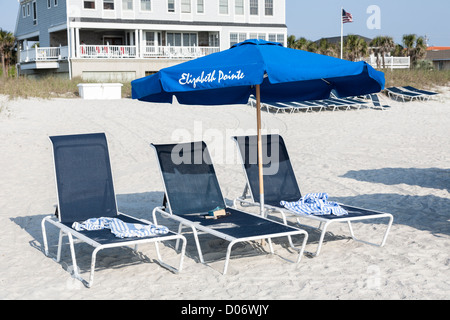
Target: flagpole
{"x":342,"y":33}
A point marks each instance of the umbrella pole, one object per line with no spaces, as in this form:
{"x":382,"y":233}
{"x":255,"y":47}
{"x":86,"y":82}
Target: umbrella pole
{"x":260,"y":158}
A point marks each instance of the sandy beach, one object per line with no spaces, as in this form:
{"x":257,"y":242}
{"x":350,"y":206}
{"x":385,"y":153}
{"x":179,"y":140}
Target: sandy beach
{"x":396,"y":161}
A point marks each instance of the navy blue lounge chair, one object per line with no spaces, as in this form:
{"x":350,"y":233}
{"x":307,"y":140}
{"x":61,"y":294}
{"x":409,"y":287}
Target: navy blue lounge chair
{"x":280,"y":184}
{"x":376,"y":102}
{"x":192,"y":190}
{"x":426,"y":94}
{"x":403,"y":94}
{"x":85,"y":190}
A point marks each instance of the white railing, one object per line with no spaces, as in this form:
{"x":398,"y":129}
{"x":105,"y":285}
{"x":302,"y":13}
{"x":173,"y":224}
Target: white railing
{"x":172,"y":52}
{"x":389,"y":62}
{"x":106,"y":51}
{"x":116,"y":52}
{"x":44,"y":54}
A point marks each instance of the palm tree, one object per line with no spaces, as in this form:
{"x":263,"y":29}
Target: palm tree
{"x":415,"y":47}
{"x":355,"y":47}
{"x":7,"y":41}
{"x":382,"y":46}
{"x":327,"y":48}
{"x":291,"y":41}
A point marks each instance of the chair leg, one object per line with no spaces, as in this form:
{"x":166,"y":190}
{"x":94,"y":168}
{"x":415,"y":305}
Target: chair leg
{"x":180,"y":229}
{"x":44,"y":236}
{"x":165,"y":265}
{"x":197,"y":243}
{"x":391,"y":219}
{"x":227,"y":258}
{"x":322,"y":236}
{"x":58,"y":256}
{"x":75,"y":274}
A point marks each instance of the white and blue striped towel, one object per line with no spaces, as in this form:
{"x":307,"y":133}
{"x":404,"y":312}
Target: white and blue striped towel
{"x":121,"y":229}
{"x":315,"y":204}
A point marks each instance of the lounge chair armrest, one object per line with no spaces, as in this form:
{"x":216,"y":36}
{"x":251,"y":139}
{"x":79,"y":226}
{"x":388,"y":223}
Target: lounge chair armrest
{"x":161,"y":211}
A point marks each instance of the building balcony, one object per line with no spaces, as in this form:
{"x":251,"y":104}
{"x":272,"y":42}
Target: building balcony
{"x":163,"y":52}
{"x":54,"y":54}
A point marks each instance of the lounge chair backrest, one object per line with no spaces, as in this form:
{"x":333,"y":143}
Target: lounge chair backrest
{"x":279,"y":178}
{"x":83,"y":177}
{"x":375,"y":100}
{"x":189,"y":178}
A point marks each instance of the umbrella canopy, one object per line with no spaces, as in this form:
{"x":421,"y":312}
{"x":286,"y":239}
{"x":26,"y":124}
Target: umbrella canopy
{"x":267,"y":70}
{"x":284,"y":74}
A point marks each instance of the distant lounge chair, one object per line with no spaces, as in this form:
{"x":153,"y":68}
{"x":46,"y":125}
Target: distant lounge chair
{"x":314,"y":105}
{"x":85,"y":191}
{"x":403,"y":94}
{"x":427,"y":94}
{"x":192,"y":192}
{"x":376,"y":102}
{"x":281,"y":106}
{"x":280,"y":184}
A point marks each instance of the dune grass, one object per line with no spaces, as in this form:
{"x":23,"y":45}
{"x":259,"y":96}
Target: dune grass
{"x":47,"y":87}
{"x":423,"y":79}
{"x":59,"y":87}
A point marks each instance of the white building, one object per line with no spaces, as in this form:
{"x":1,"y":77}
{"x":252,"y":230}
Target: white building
{"x":128,"y":39}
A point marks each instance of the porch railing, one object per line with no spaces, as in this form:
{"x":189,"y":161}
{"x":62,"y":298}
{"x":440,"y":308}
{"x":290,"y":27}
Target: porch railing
{"x":107,"y":51}
{"x":168,"y":52}
{"x":115,"y":52}
{"x":44,"y":54}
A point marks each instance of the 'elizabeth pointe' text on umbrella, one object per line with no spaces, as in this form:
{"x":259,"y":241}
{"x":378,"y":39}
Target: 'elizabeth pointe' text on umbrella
{"x":189,"y":79}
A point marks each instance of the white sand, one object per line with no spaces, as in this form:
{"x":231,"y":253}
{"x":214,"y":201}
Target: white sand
{"x":396,"y":161}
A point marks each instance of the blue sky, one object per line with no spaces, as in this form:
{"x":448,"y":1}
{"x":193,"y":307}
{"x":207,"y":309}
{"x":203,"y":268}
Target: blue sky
{"x":321,"y":18}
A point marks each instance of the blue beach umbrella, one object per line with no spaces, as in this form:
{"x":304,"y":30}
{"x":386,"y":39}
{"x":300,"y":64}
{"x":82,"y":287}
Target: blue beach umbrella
{"x":267,"y":70}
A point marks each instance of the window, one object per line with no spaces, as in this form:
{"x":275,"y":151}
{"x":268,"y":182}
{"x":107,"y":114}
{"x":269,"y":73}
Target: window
{"x":189,"y":39}
{"x":268,"y":8}
{"x":254,"y":7}
{"x":182,"y":39}
{"x":34,"y":13}
{"x":146,"y":5}
{"x":239,"y":7}
{"x":280,"y":38}
{"x":108,"y":4}
{"x":223,"y":6}
{"x":89,"y":4}
{"x":55,"y":3}
{"x":149,"y":38}
{"x":200,"y":6}
{"x":127,"y":5}
{"x":49,"y":4}
{"x":186,"y":6}
{"x":276,"y":37}
{"x":171,"y":5}
{"x":24,"y":14}
{"x":28,"y":9}
{"x":237,"y":37}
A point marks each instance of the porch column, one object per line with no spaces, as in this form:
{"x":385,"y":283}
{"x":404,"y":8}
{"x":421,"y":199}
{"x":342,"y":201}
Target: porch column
{"x":77,"y":42}
{"x":141,"y":44}
{"x":72,"y":43}
{"x":136,"y":42}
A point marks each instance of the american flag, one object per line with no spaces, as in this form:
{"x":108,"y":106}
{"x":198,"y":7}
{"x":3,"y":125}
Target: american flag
{"x":346,"y":16}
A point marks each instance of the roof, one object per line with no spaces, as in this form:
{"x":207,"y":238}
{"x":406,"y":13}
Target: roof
{"x":437,"y":48}
{"x":438,"y":55}
{"x":336,"y":40}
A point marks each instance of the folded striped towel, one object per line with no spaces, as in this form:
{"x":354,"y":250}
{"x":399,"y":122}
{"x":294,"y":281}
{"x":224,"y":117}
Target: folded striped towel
{"x":315,"y":204}
{"x":121,"y":229}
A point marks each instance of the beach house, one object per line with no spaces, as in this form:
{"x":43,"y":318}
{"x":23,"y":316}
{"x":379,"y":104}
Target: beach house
{"x":128,"y":39}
